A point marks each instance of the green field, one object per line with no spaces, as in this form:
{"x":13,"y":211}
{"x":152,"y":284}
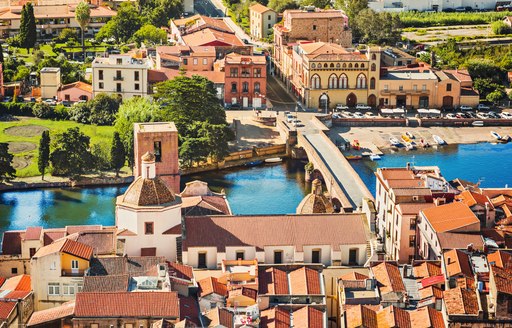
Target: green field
{"x":23,"y":138}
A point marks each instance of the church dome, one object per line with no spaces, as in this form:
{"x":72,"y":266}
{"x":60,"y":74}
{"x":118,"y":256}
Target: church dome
{"x":316,"y":202}
{"x":148,"y":192}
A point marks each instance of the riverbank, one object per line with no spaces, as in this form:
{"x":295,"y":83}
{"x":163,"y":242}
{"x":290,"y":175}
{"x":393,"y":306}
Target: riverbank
{"x":379,"y":136}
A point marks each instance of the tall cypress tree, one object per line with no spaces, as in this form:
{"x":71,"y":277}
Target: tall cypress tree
{"x":31,"y":28}
{"x":117,"y":153}
{"x":44,"y":152}
{"x":23,"y":33}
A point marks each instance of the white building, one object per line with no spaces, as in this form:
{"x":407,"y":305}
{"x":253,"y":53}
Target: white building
{"x":125,"y":75}
{"x":429,"y":5}
{"x":148,"y":215}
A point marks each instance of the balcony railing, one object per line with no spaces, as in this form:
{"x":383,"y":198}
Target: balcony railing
{"x":118,"y":78}
{"x":72,"y":273}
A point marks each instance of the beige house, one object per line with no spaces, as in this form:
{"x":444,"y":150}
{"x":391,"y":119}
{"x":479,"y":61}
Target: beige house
{"x":396,"y":57}
{"x":262,"y":20}
{"x":50,"y":82}
{"x":125,"y":75}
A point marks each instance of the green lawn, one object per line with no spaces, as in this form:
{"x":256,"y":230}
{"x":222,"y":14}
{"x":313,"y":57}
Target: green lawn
{"x":26,"y":132}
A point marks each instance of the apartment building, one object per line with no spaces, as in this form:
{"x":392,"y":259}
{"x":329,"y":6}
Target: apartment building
{"x":51,"y":19}
{"x":245,"y":80}
{"x":125,"y":75}
{"x":396,"y":57}
{"x":186,"y":57}
{"x":262,"y":19}
{"x":326,"y":74}
{"x":401,"y":193}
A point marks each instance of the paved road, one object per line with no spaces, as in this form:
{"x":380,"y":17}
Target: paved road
{"x":278,"y":96}
{"x":206,"y":8}
{"x":345,"y":176}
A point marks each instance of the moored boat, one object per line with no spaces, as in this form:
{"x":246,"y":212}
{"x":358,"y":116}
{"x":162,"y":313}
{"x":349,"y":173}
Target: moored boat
{"x":405,"y":138}
{"x":478,"y":123}
{"x":409,"y":134}
{"x":254,"y":163}
{"x":353,"y":157}
{"x":273,"y":160}
{"x":394,"y":142}
{"x":374,"y":157}
{"x":439,"y":140}
{"x":496,"y":135}
{"x":410,"y":146}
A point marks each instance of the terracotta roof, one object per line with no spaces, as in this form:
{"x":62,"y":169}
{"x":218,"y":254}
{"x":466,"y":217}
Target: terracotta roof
{"x":393,"y":316}
{"x":430,"y":281}
{"x":148,"y":192}
{"x":461,"y":301}
{"x":134,"y":266}
{"x":17,"y":283}
{"x":315,"y":204}
{"x":451,"y":240}
{"x":78,"y":85}
{"x":82,"y":228}
{"x":412,"y":191}
{"x":165,"y":74}
{"x":108,"y":284}
{"x":11,"y":243}
{"x":426,"y":269}
{"x":450,"y":217}
{"x":471,"y":198}
{"x":33,"y":233}
{"x":274,"y":230}
{"x":199,"y":21}
{"x":413,"y":208}
{"x":2,"y":280}
{"x":51,"y":235}
{"x":6,"y":308}
{"x":388,"y":277}
{"x":273,"y":281}
{"x":103,"y":242}
{"x":176,"y":230}
{"x":244,"y":291}
{"x":431,"y":291}
{"x":235,"y":58}
{"x":305,"y":281}
{"x":67,"y":246}
{"x":461,"y":75}
{"x":128,"y":304}
{"x":259,"y":8}
{"x":354,"y":276}
{"x":181,"y":271}
{"x":318,"y":13}
{"x":220,"y":317}
{"x":426,"y":317}
{"x":361,"y":315}
{"x":396,"y":173}
{"x":53,"y":314}
{"x":502,"y":279}
{"x":189,"y":310}
{"x":212,"y":37}
{"x":204,"y":205}
{"x":279,"y":317}
{"x":308,"y":317}
{"x":500,"y":258}
{"x":211,"y":285}
{"x":457,"y":263}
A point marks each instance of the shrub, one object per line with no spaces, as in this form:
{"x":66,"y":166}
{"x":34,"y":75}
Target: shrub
{"x":16,"y":109}
{"x":43,"y":110}
{"x":81,"y":113}
{"x":500,"y":28}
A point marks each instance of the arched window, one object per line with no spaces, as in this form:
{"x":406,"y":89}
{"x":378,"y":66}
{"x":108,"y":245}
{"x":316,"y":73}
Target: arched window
{"x":313,"y":65}
{"x":344,"y":65}
{"x":325,"y":65}
{"x":350,"y":65}
{"x":374,"y":67}
{"x":333,"y":81}
{"x":315,"y":82}
{"x":362,"y":65}
{"x":245,"y":87}
{"x":338,"y":65}
{"x":356,"y":65}
{"x":361,"y":81}
{"x":343,"y":82}
{"x":257,"y":87}
{"x":374,"y":57}
{"x":332,"y":65}
{"x":372,"y":83}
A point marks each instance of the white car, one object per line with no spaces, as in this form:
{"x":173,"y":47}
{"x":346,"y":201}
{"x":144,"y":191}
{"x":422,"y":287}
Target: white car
{"x":347,"y":114}
{"x":506,"y":115}
{"x":358,"y":115}
{"x":341,"y":107}
{"x":369,"y":115}
{"x":50,"y":102}
{"x":483,"y":107}
{"x":482,"y":115}
{"x":464,"y":107}
{"x":297,"y":123}
{"x":451,"y":116}
{"x":289,"y":118}
{"x":363,"y":107}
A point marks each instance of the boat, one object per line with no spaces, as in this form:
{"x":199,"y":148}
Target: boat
{"x":478,"y":123}
{"x":409,"y":134}
{"x":439,"y":140}
{"x":410,"y":146}
{"x":273,"y":160}
{"x":355,"y":145}
{"x":353,"y":157}
{"x":496,"y":135}
{"x":394,"y":142}
{"x":374,"y":157}
{"x":506,"y":138}
{"x":254,"y":163}
{"x":405,"y":138}
{"x":424,"y":143}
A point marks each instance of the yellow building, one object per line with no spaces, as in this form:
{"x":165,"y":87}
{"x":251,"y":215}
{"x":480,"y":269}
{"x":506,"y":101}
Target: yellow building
{"x":262,"y":20}
{"x":50,"y":82}
{"x":57,"y":272}
{"x":326,"y":74}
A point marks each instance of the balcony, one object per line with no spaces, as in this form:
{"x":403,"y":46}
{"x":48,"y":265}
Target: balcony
{"x":72,"y":273}
{"x":118,"y":78}
{"x":404,"y":92}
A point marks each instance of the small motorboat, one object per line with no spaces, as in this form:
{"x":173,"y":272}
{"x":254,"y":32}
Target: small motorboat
{"x":406,"y":138}
{"x":424,"y":143}
{"x":496,"y":135}
{"x":374,"y":157}
{"x":506,"y":138}
{"x":409,"y":134}
{"x":439,"y":140}
{"x":410,"y":146}
{"x":394,"y":142}
{"x":254,"y":163}
{"x":353,"y":157}
{"x":478,"y":123}
{"x":273,"y":160}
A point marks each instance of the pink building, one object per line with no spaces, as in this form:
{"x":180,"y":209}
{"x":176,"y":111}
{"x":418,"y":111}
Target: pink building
{"x":74,"y":92}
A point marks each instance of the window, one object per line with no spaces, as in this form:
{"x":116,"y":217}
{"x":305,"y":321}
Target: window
{"x":372,"y":83}
{"x":374,"y":57}
{"x":333,"y":82}
{"x":233,"y":72}
{"x":386,"y":87}
{"x":118,"y":87}
{"x":128,"y":325}
{"x":269,"y":25}
{"x":352,"y":257}
{"x":314,"y":27}
{"x":185,"y":61}
{"x":356,"y":65}
{"x":136,"y":75}
{"x":14,"y":270}
{"x":315,"y":82}
{"x":68,"y":289}
{"x":313,"y":65}
{"x":118,"y":76}
{"x":148,"y":228}
{"x":415,"y":87}
{"x":74,"y":264}
{"x":343,"y":82}
{"x":79,"y":287}
{"x":32,"y":251}
{"x":424,"y":87}
{"x":246,"y":72}
{"x":350,"y":65}
{"x":240,"y":255}
{"x":233,"y":87}
{"x":412,"y":224}
{"x":119,"y":61}
{"x":195,"y":61}
{"x":157,"y":147}
{"x":269,"y":17}
{"x":362,"y":65}
{"x":205,"y":61}
{"x":257,"y":72}
{"x":53,"y":266}
{"x":361,"y":81}
{"x":100,"y":85}
{"x":136,"y":86}
{"x":245,"y":87}
{"x":449,"y":87}
{"x":401,"y":88}
{"x":257,"y":87}
{"x":95,"y":325}
{"x":201,"y":260}
{"x":423,"y":102}
{"x":100,"y":74}
{"x":412,"y":240}
{"x":278,"y":257}
{"x":53,"y":288}
{"x":315,"y":256}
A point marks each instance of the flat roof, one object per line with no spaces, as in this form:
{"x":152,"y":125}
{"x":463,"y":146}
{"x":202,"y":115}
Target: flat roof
{"x":409,"y":75}
{"x":155,"y":127}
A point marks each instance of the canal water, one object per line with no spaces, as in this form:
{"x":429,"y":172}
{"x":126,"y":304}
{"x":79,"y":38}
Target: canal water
{"x":266,"y":189}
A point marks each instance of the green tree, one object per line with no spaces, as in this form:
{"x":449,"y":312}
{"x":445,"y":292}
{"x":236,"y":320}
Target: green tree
{"x":150,"y":35}
{"x":27,"y":35}
{"x":193,"y":150}
{"x":7,"y":171}
{"x":379,"y":28}
{"x":495,"y":96}
{"x":159,"y":12}
{"x":22,"y":73}
{"x":317,"y":3}
{"x":485,"y":69}
{"x":352,"y":8}
{"x":44,"y":152}
{"x":67,"y":34}
{"x":83,"y":16}
{"x":123,"y":25}
{"x":117,"y":153}
{"x":43,"y":110}
{"x":104,"y":108}
{"x":71,"y":156}
{"x":282,"y":5}
{"x":135,"y":110}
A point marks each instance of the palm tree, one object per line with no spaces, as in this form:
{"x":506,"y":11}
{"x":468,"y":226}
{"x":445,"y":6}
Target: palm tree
{"x":83,"y":16}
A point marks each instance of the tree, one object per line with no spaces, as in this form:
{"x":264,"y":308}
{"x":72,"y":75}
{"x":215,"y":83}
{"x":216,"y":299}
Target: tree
{"x":159,"y":12}
{"x":43,"y":110}
{"x":123,"y":25}
{"x":83,"y":16}
{"x":44,"y":152}
{"x":282,"y":5}
{"x":7,"y":171}
{"x":104,"y":108}
{"x":66,"y":35}
{"x":317,"y":3}
{"x":1,"y":54}
{"x":352,"y":8}
{"x":495,"y":96}
{"x":150,"y":35}
{"x":379,"y":28}
{"x":71,"y":156}
{"x":27,"y":35}
{"x":117,"y":153}
{"x":22,"y":73}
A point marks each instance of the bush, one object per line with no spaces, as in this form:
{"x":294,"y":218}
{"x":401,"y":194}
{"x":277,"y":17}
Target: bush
{"x":61,"y":113}
{"x":424,"y":19}
{"x":500,"y":28}
{"x":16,"y":109}
{"x":43,"y":110}
{"x":81,"y":113}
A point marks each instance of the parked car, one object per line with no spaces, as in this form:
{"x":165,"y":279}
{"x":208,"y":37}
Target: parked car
{"x":50,"y":102}
{"x":369,"y":115}
{"x":297,"y":123}
{"x":7,"y":99}
{"x":470,"y":115}
{"x":483,"y":107}
{"x":347,"y":114}
{"x":451,"y":116}
{"x":233,"y":106}
{"x":341,"y":107}
{"x":493,"y":115}
{"x":464,"y":107}
{"x":482,"y":115}
{"x":363,"y":107}
{"x":358,"y":115}
{"x":289,"y":118}
{"x":506,"y":115}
